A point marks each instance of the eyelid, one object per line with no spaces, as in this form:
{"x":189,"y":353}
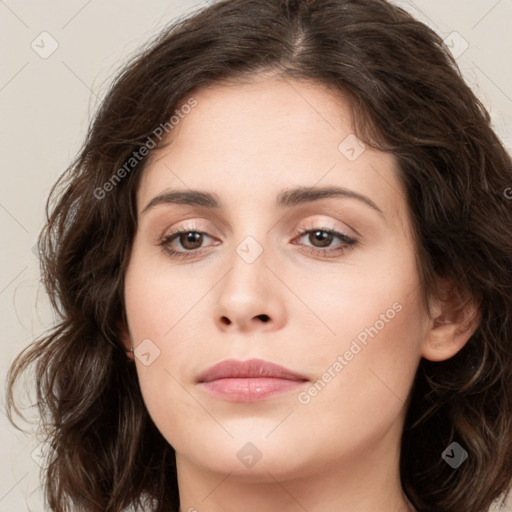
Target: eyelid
{"x":170,"y":233}
{"x":329,"y":225}
{"x":192,"y":226}
{"x":303,"y":225}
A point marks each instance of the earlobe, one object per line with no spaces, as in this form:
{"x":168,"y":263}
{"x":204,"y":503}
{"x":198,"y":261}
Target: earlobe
{"x":454,"y":320}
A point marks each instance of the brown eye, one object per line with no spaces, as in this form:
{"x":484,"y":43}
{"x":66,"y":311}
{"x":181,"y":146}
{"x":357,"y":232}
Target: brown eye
{"x":323,"y":237}
{"x":322,"y":241}
{"x":191,"y":240}
{"x":184,"y":243}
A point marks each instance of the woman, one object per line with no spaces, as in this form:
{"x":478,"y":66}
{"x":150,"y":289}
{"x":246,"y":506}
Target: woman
{"x":283,"y":275}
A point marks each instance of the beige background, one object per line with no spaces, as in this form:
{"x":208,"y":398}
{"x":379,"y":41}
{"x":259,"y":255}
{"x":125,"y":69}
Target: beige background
{"x":46,"y":104}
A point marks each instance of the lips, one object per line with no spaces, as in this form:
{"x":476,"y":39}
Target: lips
{"x":252,"y":368}
{"x":249,"y":381}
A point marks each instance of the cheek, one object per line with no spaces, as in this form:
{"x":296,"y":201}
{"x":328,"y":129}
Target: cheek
{"x":367,"y":363}
{"x":158,"y":297}
{"x":378,"y":296}
{"x":363,"y":378}
{"x":156,"y":308}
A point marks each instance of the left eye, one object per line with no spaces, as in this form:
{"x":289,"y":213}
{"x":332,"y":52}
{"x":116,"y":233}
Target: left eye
{"x":324,"y":237}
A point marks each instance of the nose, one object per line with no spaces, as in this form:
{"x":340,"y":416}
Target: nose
{"x":249,"y":297}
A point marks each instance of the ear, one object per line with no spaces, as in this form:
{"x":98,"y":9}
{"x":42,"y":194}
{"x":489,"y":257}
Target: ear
{"x":124,"y":337}
{"x":454,"y":319}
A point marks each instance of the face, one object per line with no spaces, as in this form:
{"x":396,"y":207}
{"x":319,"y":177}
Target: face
{"x":325,"y":285}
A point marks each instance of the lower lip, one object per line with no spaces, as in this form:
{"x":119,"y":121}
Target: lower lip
{"x":250,"y":389}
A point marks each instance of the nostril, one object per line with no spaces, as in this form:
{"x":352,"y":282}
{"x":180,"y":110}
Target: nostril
{"x":264,"y":318}
{"x":225,"y":320}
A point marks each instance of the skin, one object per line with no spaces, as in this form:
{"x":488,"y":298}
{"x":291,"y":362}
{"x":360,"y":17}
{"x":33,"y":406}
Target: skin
{"x":339,"y":451}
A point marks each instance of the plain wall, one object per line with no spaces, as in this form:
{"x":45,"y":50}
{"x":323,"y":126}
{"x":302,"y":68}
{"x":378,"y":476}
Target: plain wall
{"x":46,"y":104}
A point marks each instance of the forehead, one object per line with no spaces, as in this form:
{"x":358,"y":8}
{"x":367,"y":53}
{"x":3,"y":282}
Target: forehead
{"x":278,"y":112}
{"x":255,"y":139}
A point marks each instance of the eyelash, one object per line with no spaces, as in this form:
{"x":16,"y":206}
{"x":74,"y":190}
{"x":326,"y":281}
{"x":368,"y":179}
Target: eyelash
{"x":348,"y":241}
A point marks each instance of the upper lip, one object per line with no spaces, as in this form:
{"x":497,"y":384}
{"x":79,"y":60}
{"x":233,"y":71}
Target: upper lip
{"x":231,"y":368}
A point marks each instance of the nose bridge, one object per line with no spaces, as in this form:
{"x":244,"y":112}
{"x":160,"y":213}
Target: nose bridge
{"x":249,"y":250}
{"x":251,"y":234}
{"x":248,"y":264}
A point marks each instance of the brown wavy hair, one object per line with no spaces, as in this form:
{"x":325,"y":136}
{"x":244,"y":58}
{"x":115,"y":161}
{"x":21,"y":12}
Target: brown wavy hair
{"x":408,"y":98}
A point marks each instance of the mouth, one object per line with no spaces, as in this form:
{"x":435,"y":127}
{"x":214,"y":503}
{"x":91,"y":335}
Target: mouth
{"x":249,"y":381}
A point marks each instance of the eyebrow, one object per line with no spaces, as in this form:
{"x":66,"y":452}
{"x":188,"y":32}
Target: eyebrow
{"x":285,"y":199}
